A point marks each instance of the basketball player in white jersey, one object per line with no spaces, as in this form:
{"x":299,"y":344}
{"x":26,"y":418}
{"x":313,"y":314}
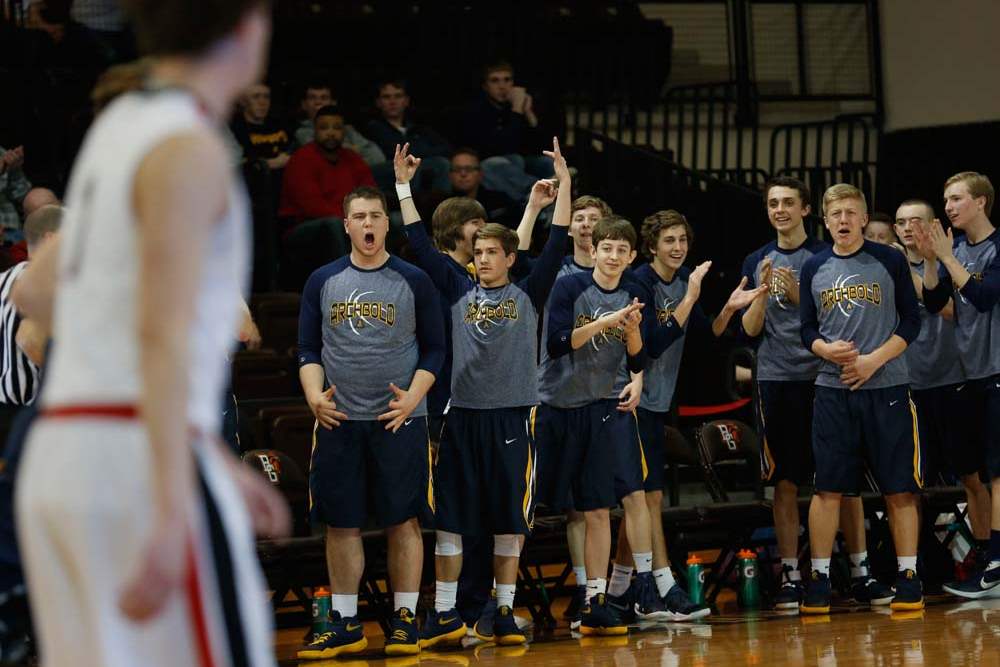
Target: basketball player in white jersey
{"x":136,"y":528}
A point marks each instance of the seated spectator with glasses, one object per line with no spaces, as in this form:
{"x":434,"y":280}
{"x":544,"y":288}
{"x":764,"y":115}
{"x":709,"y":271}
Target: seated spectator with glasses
{"x":466,"y":180}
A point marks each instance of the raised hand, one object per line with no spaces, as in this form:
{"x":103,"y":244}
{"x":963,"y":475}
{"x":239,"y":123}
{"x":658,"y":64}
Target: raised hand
{"x":404,"y":164}
{"x":694,"y":280}
{"x":765,"y":273}
{"x":741,"y":298}
{"x":324,"y":408}
{"x":788,"y":284}
{"x":941,"y":241}
{"x":621,"y":317}
{"x":558,"y":161}
{"x":633,"y":319}
{"x":543,"y":193}
{"x":400,"y":408}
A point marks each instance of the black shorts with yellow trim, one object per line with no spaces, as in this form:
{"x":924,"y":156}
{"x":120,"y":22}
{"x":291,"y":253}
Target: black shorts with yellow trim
{"x":951,"y":446}
{"x":359,"y":467}
{"x":784,"y":417}
{"x":593,"y":455}
{"x":874,"y":426}
{"x":484,"y":475}
{"x":653,"y":436}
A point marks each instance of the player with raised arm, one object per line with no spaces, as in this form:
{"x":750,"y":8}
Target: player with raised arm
{"x":484,"y":481}
{"x":370,"y":344}
{"x":967,"y":271}
{"x":859,"y":312}
{"x":938,"y":384}
{"x":134,"y":521}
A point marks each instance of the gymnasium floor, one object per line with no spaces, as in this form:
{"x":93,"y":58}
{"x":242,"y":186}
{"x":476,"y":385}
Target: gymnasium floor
{"x":946,"y":634}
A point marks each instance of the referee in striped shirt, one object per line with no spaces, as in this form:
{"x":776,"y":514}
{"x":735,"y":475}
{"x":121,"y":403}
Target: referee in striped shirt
{"x":22,"y":345}
{"x":22,"y":342}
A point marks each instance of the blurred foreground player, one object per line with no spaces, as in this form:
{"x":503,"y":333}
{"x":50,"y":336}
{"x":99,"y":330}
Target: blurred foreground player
{"x":134,"y":522}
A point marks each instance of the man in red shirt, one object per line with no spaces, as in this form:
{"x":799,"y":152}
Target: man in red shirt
{"x":317,"y":178}
{"x":320,"y":174}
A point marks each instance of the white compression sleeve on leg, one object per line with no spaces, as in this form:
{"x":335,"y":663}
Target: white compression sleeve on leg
{"x":507,"y":545}
{"x":448,"y":544}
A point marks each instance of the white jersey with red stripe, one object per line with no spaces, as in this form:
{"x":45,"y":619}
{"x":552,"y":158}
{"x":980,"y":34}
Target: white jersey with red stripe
{"x":95,"y":357}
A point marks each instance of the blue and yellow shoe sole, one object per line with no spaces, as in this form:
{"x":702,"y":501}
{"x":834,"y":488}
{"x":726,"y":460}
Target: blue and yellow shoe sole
{"x":455,"y":635}
{"x":326,"y":653}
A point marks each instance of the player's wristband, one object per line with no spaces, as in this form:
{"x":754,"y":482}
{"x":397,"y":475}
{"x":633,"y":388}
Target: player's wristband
{"x":403,"y":191}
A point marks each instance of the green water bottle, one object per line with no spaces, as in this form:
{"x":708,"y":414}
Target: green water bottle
{"x":320,"y":611}
{"x":749,"y":595}
{"x":696,"y":579}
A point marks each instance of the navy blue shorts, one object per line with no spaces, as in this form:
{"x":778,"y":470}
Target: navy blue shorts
{"x":592,"y":456}
{"x":360,"y":465}
{"x":484,"y":476}
{"x":979,"y":402}
{"x":784,"y":417}
{"x":951,"y":446}
{"x":653,"y":435}
{"x":873,"y":426}
{"x":990,"y":425}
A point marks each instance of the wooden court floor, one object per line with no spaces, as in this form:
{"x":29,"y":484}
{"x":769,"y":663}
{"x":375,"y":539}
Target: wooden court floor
{"x":945,"y":634}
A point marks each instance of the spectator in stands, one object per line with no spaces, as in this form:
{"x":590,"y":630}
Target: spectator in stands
{"x":260,"y":136}
{"x":14,"y":186}
{"x":499,"y":125}
{"x":315,"y":97}
{"x":396,"y":127}
{"x":317,"y":178}
{"x":320,"y":174}
{"x":465,"y":179}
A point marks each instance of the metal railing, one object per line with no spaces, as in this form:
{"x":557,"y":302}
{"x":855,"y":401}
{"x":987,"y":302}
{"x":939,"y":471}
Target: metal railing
{"x":821,"y":153}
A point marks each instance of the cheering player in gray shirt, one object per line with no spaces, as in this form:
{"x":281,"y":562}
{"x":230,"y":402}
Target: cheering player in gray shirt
{"x":484,"y":479}
{"x":370,"y":345}
{"x":859,"y":312}
{"x":786,"y":375}
{"x":969,"y":273}
{"x":940,"y":388}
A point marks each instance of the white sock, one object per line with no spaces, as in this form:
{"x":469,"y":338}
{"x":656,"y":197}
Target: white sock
{"x":643,"y":561}
{"x":408,"y":600}
{"x":347,"y":605}
{"x":580,"y":573}
{"x":907,"y":563}
{"x":445,"y":593}
{"x":821,"y":565}
{"x":505,"y":595}
{"x":858,"y":568}
{"x":621,"y":575}
{"x":664,"y":580}
{"x":793,"y":574}
{"x":595,"y":586}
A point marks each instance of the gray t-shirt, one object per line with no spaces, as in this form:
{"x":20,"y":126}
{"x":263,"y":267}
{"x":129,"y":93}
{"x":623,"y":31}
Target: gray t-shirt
{"x":865,"y":298}
{"x":665,"y":344}
{"x":780,"y":355}
{"x":369,"y":328}
{"x":977,"y":305}
{"x":933,"y":357}
{"x":571,"y":378}
{"x":493,"y":330}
